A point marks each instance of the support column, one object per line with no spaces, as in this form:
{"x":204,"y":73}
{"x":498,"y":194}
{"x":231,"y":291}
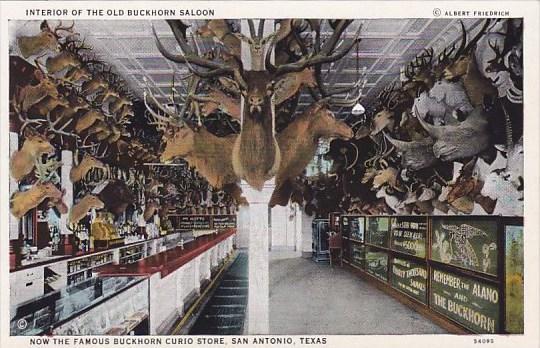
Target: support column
{"x":67,"y":185}
{"x":258,"y":260}
{"x":13,"y":186}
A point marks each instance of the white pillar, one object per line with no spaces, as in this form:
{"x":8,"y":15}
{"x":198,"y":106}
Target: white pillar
{"x":67,"y":185}
{"x":307,"y":235}
{"x":242,"y":224}
{"x":258,"y":267}
{"x":13,"y":186}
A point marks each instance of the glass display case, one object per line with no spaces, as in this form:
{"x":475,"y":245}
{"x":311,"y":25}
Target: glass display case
{"x":357,"y":228}
{"x":377,"y":229}
{"x":377,"y":263}
{"x":358,"y":255}
{"x":460,"y":267}
{"x":40,"y":315}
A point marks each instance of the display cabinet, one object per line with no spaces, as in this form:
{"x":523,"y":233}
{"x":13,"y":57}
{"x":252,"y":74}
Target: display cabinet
{"x":465,"y":269}
{"x":320,"y":239}
{"x":56,"y":311}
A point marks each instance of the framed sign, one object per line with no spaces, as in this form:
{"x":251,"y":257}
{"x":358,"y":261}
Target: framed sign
{"x":357,"y":228}
{"x":410,"y":278}
{"x":194,"y":222}
{"x":377,"y":263}
{"x":514,"y":286}
{"x":466,"y":243}
{"x":377,"y":230}
{"x":471,"y":302}
{"x":408,"y":235}
{"x":224,"y":221}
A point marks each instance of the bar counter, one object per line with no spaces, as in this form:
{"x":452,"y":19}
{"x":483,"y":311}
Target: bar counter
{"x":168,"y":261}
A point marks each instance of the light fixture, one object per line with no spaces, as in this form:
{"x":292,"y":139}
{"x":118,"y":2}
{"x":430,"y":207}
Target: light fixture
{"x":358,"y":109}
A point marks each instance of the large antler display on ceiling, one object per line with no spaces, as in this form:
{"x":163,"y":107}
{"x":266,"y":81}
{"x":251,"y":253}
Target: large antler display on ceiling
{"x":256,"y":153}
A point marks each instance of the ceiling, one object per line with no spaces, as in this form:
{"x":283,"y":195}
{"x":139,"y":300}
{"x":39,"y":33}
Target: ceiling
{"x":386,"y":46}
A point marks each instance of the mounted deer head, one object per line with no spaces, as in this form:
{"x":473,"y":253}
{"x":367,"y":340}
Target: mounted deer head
{"x":22,"y":162}
{"x":88,"y":162}
{"x":47,"y":39}
{"x":464,"y":56}
{"x":30,"y":95}
{"x":22,"y":202}
{"x":88,"y":119}
{"x":291,"y":83}
{"x":298,"y":142}
{"x":152,"y":206}
{"x":79,"y":210}
{"x":68,"y":58}
{"x":256,"y":153}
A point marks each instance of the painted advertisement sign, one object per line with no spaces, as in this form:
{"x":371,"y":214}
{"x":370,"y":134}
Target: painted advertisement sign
{"x":466,"y":243}
{"x":471,"y":302}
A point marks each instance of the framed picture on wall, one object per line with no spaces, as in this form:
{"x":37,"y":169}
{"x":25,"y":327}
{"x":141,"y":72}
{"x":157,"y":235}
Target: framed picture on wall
{"x":469,"y":243}
{"x":513,"y":275}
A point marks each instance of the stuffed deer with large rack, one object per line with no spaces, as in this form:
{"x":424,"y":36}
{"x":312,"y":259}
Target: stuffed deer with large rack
{"x":46,"y":40}
{"x":256,"y":154}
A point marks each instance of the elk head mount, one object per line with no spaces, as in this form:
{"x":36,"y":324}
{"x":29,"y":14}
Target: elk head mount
{"x":256,"y":154}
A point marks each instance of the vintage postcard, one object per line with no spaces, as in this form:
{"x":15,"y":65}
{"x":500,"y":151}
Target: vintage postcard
{"x":269,"y":173}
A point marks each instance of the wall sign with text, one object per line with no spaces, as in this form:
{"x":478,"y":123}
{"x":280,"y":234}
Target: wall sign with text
{"x":410,"y":278}
{"x":408,"y":235}
{"x":471,"y":302}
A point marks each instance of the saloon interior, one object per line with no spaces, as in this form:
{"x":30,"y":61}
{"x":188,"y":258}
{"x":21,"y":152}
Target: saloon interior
{"x":278,"y":176}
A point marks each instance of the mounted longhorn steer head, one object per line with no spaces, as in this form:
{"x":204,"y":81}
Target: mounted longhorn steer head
{"x":414,"y":154}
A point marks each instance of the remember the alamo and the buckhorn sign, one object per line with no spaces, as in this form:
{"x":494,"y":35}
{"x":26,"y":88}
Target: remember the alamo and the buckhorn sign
{"x":352,"y":162}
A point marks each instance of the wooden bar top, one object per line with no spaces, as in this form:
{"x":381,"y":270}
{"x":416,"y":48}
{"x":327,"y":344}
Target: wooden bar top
{"x":168,"y":261}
